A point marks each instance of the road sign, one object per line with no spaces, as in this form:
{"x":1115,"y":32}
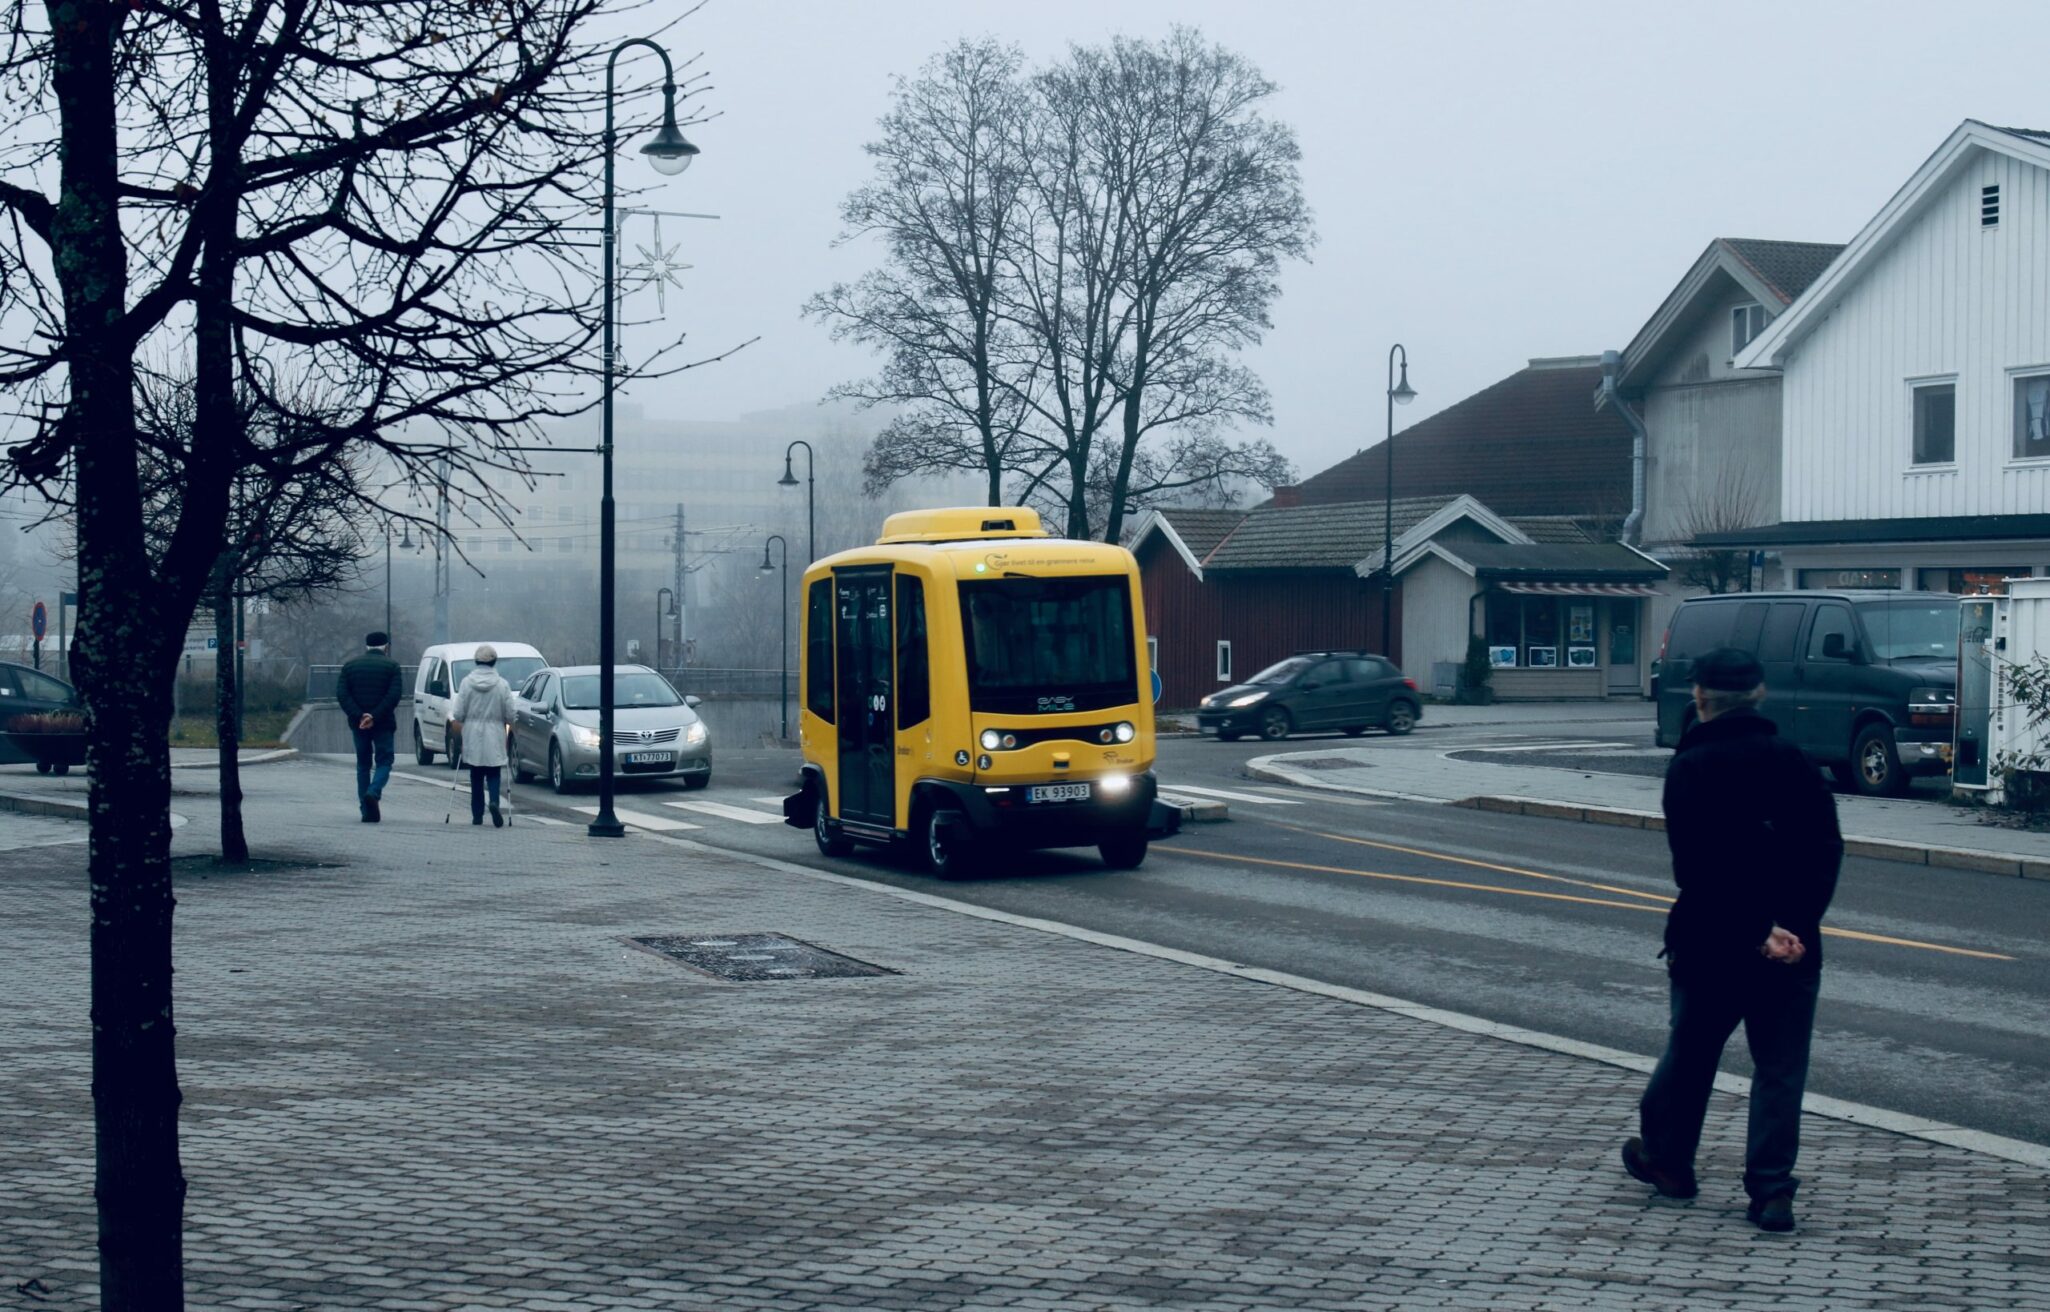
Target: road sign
{"x":1156,"y":687}
{"x":39,"y":621}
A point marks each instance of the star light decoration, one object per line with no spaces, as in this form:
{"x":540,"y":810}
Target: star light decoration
{"x":658,"y":265}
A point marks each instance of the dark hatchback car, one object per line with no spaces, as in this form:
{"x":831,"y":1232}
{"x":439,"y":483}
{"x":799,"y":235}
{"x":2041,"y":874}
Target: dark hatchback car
{"x":1347,"y":691}
{"x":26,"y":692}
{"x":1865,"y":682}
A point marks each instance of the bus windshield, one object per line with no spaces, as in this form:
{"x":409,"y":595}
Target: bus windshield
{"x":1049,"y":645}
{"x":1911,"y":630}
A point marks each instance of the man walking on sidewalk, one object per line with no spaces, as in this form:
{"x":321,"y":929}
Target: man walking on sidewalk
{"x":1755,"y":850}
{"x":369,"y":689}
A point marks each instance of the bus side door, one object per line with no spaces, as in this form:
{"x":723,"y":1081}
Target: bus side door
{"x":864,"y":662}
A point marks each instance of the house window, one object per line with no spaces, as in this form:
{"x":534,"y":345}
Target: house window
{"x":1224,"y":660}
{"x":1746,"y":322}
{"x":2032,"y":417}
{"x":1936,"y":424}
{"x":1989,"y":206}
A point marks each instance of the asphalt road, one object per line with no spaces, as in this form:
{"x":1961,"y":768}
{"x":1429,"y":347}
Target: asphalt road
{"x":1936,"y":996}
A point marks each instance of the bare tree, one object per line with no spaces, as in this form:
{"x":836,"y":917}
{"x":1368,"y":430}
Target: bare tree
{"x":945,"y":203}
{"x":1136,"y":220}
{"x":1732,"y":498}
{"x":379,"y":200}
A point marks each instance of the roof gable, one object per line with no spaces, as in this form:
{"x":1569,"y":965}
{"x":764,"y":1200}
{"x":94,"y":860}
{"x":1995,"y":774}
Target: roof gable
{"x":1193,"y":532}
{"x":1773,"y":273}
{"x":1772,"y":347}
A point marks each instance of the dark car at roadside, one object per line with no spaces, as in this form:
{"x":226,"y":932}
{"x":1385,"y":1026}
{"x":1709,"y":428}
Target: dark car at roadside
{"x":41,"y":720}
{"x":1348,"y":692}
{"x":1864,"y":682}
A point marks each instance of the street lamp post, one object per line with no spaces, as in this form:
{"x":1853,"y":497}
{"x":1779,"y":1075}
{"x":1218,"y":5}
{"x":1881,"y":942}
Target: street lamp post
{"x":669,"y":153}
{"x":789,"y":479}
{"x":783,"y":651}
{"x":407,"y":543}
{"x":1398,"y":394}
{"x":660,"y":615}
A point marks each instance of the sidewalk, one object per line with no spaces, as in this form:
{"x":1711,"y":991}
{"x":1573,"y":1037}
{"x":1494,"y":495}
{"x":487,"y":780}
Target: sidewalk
{"x":424,"y":1070}
{"x":1417,"y":769}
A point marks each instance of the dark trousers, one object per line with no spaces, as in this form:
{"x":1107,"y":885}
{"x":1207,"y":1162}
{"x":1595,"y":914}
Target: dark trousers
{"x":373,"y":747}
{"x":1776,"y":1005}
{"x":483,"y":777}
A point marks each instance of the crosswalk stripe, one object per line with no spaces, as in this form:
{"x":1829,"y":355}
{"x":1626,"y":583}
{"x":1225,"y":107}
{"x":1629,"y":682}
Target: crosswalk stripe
{"x":776,"y":802}
{"x":642,"y":820}
{"x":725,"y":812}
{"x":1228,"y":794}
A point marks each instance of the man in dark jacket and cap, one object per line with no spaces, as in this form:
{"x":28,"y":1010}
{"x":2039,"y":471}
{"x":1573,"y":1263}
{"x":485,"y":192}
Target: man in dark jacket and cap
{"x":368,"y":690}
{"x":1755,"y":849}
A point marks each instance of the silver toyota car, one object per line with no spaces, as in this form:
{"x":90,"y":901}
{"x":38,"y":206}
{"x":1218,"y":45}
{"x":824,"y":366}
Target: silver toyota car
{"x":655,"y":731}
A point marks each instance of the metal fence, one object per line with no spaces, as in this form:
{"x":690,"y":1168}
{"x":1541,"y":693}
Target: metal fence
{"x":713,"y":684}
{"x":320,"y":681}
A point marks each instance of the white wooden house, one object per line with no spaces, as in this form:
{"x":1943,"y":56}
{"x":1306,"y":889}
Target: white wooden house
{"x":1915,"y":397}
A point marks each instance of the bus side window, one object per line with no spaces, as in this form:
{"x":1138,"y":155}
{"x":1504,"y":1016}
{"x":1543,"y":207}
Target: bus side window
{"x":818,"y":651}
{"x":914,"y":686}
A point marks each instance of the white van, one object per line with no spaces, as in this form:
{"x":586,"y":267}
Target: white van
{"x":441,"y":672}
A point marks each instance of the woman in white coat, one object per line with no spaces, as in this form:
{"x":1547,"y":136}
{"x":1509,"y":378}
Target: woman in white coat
{"x":482,"y":712}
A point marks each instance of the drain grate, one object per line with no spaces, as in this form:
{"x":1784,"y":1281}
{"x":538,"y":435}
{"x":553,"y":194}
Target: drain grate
{"x":746,"y":958}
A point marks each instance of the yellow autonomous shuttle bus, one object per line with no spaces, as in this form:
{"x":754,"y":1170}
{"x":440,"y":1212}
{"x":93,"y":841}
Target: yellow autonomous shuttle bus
{"x":970,"y":684}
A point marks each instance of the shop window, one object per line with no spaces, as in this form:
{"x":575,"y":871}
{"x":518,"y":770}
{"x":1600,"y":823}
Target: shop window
{"x":1541,"y":632}
{"x":1832,"y":579}
{"x":1505,"y":629}
{"x":1988,"y":581}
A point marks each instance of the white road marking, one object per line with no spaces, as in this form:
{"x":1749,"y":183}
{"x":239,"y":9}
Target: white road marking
{"x":641,"y":820}
{"x":1539,"y":747}
{"x":1328,"y":797}
{"x":544,"y":820}
{"x":725,"y":812}
{"x":776,"y":802}
{"x":1227,"y":794}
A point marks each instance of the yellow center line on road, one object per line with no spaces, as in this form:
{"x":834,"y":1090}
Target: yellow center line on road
{"x":1659,"y":898}
{"x":1660,"y":906}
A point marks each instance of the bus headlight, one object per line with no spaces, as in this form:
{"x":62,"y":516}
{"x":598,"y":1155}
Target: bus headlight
{"x":991,"y":740}
{"x":1114,"y":785}
{"x":1125,"y":732}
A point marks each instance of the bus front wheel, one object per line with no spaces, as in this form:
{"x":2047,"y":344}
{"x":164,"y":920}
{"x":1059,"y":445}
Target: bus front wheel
{"x":824,"y":832}
{"x":949,"y":850}
{"x":1123,"y":853}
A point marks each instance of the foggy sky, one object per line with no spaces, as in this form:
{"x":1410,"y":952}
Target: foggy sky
{"x":1491,"y":182}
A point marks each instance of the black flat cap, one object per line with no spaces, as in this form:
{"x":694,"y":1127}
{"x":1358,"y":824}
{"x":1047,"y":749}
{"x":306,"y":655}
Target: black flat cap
{"x":1727,"y":669}
{"x":377,"y":639}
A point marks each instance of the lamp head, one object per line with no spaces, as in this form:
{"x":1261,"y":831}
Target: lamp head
{"x":1403,"y":393}
{"x":669,"y":151}
{"x":789,"y":478}
{"x":406,"y":539}
{"x":768,"y":567}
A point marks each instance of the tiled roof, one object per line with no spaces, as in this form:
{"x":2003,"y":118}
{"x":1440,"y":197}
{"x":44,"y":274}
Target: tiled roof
{"x":1200,"y":528}
{"x":1314,"y":537}
{"x":1532,"y":444}
{"x":1553,"y":528}
{"x":1581,"y":562}
{"x":1786,"y":266}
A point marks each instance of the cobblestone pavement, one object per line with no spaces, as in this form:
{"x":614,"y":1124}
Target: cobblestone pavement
{"x":424,"y":1071}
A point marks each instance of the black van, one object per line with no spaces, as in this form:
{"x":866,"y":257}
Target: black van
{"x":1864,"y":682}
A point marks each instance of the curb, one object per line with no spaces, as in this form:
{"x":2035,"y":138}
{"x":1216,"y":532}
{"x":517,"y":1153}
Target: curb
{"x":1977,"y":860}
{"x":274,"y":754}
{"x":22,"y":804}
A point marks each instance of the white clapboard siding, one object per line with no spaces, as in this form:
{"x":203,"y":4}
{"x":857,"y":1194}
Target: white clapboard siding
{"x":1946,"y":297}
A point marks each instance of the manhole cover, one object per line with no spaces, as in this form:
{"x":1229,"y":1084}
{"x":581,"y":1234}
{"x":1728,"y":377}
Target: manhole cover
{"x":745,"y":958}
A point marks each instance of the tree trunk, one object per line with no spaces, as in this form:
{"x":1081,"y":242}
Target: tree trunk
{"x":227,"y":717}
{"x":125,"y":666}
{"x":1115,"y":525}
